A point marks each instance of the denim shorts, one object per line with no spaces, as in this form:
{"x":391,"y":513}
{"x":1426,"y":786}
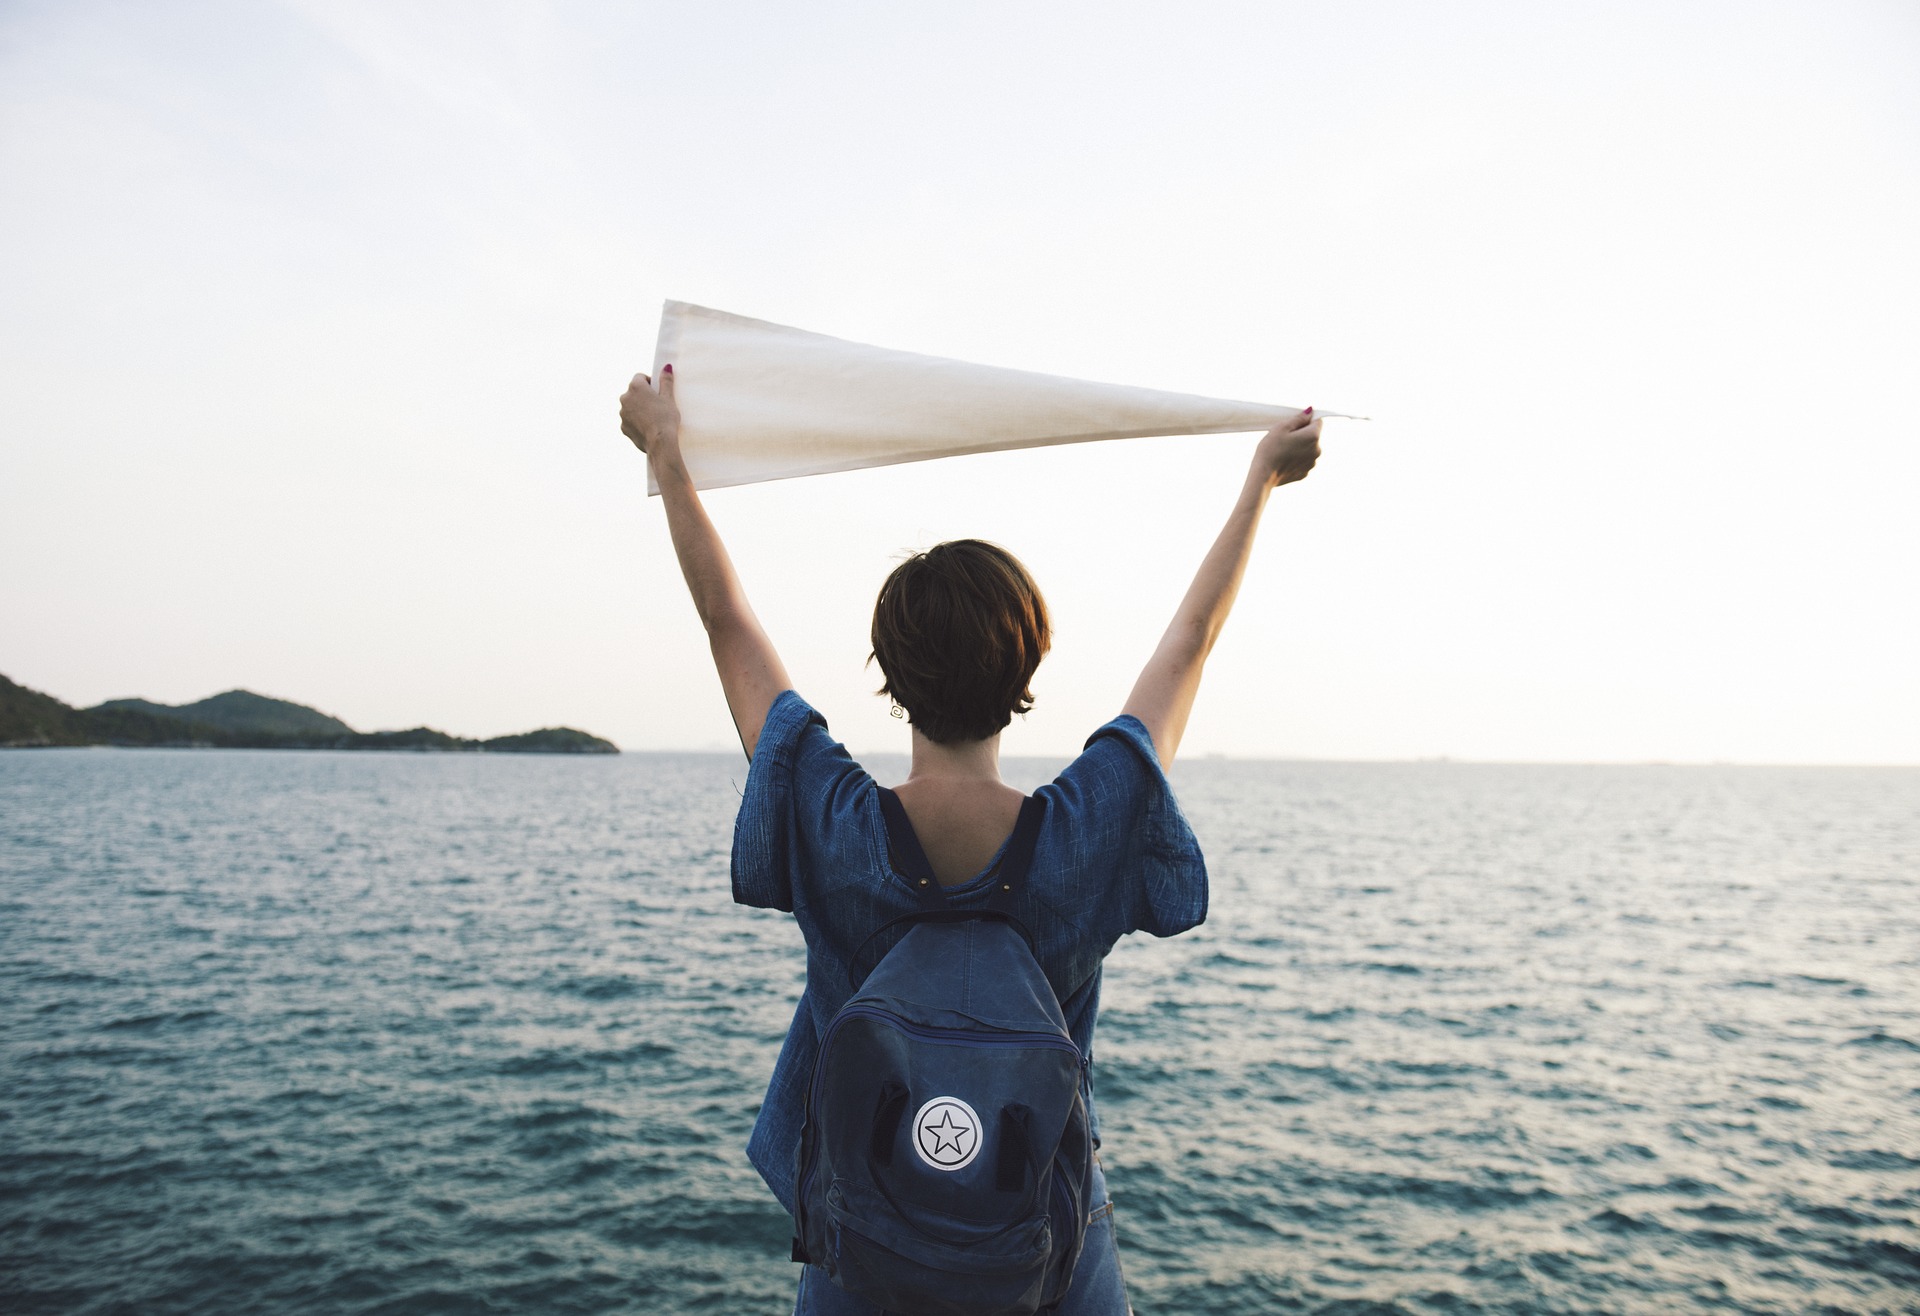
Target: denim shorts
{"x":1097,"y":1290}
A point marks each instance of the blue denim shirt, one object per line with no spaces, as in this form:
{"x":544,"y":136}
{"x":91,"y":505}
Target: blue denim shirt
{"x":1115,"y":855}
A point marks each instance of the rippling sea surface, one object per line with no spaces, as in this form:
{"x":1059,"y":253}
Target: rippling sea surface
{"x":366,"y":1033}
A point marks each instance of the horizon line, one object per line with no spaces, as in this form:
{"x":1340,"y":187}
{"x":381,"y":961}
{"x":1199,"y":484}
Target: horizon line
{"x":1425,"y":759}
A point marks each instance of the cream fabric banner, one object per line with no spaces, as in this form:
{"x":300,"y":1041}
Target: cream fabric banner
{"x":762,"y":401}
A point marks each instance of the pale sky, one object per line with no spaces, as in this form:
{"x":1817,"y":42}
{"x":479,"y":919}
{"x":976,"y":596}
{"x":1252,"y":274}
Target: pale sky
{"x":313,"y":316}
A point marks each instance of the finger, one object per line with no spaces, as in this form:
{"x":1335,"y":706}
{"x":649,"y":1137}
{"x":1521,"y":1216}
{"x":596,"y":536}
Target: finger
{"x":666,"y":382}
{"x":639,"y":382}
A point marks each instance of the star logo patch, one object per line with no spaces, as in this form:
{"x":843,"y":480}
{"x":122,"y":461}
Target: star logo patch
{"x":946,"y":1133}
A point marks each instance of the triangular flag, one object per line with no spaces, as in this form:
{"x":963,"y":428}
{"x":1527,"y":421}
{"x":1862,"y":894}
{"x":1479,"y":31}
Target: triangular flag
{"x":762,"y":401}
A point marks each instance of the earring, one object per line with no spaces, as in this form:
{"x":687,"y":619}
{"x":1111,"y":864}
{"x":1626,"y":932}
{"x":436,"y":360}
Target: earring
{"x":896,"y":711}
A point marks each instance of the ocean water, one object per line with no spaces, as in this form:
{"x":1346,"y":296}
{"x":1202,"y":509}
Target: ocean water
{"x":389,"y":1033}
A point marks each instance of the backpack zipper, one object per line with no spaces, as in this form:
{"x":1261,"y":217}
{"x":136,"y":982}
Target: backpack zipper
{"x":953,"y":1036}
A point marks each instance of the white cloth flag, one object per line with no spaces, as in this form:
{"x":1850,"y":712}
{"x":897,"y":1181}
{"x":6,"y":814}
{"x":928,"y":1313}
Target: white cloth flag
{"x":762,"y":401}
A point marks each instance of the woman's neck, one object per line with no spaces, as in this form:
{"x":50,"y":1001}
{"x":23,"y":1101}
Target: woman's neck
{"x":960,"y":809}
{"x":964,"y":762}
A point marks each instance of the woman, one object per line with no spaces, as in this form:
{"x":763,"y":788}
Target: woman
{"x":958,"y":632}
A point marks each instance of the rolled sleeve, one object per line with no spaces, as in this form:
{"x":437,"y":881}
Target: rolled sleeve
{"x":799,"y":822}
{"x":763,"y":833}
{"x":1167,"y":872}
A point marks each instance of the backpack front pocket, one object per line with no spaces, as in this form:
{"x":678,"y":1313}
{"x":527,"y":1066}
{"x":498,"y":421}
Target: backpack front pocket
{"x":910,"y":1270}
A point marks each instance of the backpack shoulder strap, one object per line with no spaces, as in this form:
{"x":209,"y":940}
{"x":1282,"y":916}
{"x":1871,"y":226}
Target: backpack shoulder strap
{"x":1010,"y":874}
{"x":903,"y":847}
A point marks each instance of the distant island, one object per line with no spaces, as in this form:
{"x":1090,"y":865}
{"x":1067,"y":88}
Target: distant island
{"x":240,"y":719}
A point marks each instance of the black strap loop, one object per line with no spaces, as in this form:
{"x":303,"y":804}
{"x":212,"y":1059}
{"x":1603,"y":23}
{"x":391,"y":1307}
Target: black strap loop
{"x":1010,"y":1165}
{"x":1010,"y":874}
{"x":888,"y":1111}
{"x":904,"y":850}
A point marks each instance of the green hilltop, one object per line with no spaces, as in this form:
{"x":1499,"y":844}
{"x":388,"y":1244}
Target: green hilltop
{"x":240,"y":719}
{"x":245,"y":713}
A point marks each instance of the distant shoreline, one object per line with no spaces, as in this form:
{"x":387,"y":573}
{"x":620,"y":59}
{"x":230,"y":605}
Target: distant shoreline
{"x":240,"y":719}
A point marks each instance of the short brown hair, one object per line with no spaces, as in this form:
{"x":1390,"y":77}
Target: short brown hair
{"x":958,"y":631}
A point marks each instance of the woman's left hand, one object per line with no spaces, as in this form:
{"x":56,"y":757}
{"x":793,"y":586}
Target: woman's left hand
{"x":650,"y":417}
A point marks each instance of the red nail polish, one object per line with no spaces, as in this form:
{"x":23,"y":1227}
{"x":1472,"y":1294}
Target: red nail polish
{"x":668,"y":370}
{"x":1307,"y":412}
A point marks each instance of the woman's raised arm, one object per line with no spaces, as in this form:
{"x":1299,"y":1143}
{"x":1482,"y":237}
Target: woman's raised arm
{"x":750,"y":670}
{"x":1163,"y":696}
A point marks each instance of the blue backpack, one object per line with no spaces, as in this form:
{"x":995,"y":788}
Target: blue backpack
{"x":945,"y":1163}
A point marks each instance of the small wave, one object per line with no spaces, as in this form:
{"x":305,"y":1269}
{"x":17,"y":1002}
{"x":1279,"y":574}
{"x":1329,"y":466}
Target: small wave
{"x":542,"y":1064}
{"x":1720,"y":1213}
{"x":1880,"y":1256}
{"x":593,"y":1169}
{"x":1443,"y":1069}
{"x":1873,"y":1158}
{"x":1835,"y":1215}
{"x":557,"y":1060}
{"x":304,"y":1096}
{"x":727,"y":1224}
{"x":1221,"y":959}
{"x":148,"y":1023}
{"x":1879,"y":1038}
{"x":553,"y":1117}
{"x":1453,"y":1194}
{"x":1631,"y":1151}
{"x":607,"y":987}
{"x":1684,"y":1185}
{"x":1281,"y":1071}
{"x":1726,"y":1241}
{"x":562,"y":1143}
{"x":71,"y":978}
{"x":1335,"y":1015}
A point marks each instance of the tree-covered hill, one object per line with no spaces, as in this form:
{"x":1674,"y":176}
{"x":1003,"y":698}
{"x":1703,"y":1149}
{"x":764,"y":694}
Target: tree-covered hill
{"x":240,"y":719}
{"x":28,"y":717}
{"x":244,"y":712}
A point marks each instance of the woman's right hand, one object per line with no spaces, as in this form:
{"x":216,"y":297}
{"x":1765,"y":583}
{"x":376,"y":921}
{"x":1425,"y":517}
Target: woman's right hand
{"x":650,"y":417}
{"x":1289,"y":449}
